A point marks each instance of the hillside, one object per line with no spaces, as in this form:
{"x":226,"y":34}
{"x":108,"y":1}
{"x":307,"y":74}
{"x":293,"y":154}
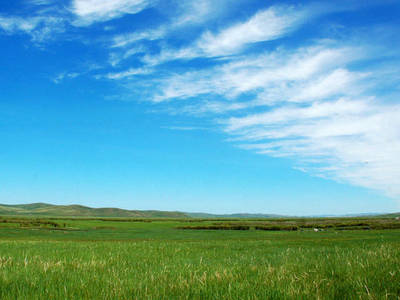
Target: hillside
{"x":233,"y":216}
{"x":392,"y":215}
{"x":50,"y":210}
{"x":43,"y":209}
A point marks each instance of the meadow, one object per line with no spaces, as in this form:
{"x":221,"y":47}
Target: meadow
{"x":117,"y":258}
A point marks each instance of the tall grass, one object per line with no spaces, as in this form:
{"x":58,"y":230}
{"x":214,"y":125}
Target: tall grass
{"x":154,"y":260}
{"x":193,"y":270}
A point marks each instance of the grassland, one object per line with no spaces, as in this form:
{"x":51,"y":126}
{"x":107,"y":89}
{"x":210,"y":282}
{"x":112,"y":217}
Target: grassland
{"x":44,"y":209}
{"x":51,"y":210}
{"x":115,"y":258}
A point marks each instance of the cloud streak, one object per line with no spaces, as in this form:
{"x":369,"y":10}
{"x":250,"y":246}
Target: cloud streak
{"x":128,"y":73}
{"x":265,"y":25}
{"x":348,"y":140}
{"x":318,"y":110}
{"x":39,"y":28}
{"x":91,"y":11}
{"x":270,"y":75}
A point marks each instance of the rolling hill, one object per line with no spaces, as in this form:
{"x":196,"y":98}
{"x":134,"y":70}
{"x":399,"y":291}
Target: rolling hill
{"x":51,"y":210}
{"x":233,"y":216}
{"x":47,"y":210}
{"x":392,"y":215}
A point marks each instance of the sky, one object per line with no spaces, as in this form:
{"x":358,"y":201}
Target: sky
{"x":284,"y":107}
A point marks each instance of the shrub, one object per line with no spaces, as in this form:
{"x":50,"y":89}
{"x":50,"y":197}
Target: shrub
{"x":277,"y":228}
{"x":216,"y":227}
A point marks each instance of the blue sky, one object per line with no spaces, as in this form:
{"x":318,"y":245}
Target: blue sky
{"x":215,"y":106}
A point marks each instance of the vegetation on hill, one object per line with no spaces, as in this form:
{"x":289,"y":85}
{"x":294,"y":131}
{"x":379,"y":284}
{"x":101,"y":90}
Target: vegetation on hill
{"x":233,"y":216}
{"x":47,"y":210}
{"x":50,"y":210}
{"x":393,"y":215}
{"x":43,"y":209}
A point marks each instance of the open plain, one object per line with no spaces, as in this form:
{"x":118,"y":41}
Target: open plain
{"x":119,"y":258}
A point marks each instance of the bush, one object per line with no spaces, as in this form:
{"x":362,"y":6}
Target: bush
{"x":277,"y":228}
{"x":216,"y":227}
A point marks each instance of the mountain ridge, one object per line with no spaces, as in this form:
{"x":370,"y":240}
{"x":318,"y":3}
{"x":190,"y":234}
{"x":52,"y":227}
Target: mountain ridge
{"x":40,"y":209}
{"x":76,"y":210}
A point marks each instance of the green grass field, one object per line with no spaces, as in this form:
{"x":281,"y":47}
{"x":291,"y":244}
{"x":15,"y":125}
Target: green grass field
{"x":153,"y":259}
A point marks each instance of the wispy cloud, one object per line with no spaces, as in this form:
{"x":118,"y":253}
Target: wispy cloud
{"x":123,"y":40}
{"x":194,"y":12}
{"x":269,"y":75}
{"x":116,"y":57}
{"x":188,"y":13}
{"x":315,"y":104}
{"x":12,"y":24}
{"x":318,"y":110}
{"x":348,"y":140}
{"x":39,"y":28}
{"x":198,"y":12}
{"x":90,"y":11}
{"x":64,"y":75}
{"x":265,"y":25}
{"x":128,"y":73}
{"x":185,"y":14}
{"x":84,"y":69}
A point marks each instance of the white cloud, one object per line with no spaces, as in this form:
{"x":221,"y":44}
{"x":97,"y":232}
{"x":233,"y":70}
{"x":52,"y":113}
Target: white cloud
{"x":216,"y":107}
{"x":194,"y":12}
{"x":184,"y":13}
{"x":188,"y":13}
{"x":40,"y":28}
{"x":271,"y":76}
{"x":12,"y":24}
{"x":266,"y":25}
{"x":349,"y":140}
{"x":198,"y":12}
{"x":123,"y":40}
{"x":317,"y":110}
{"x":90,"y":11}
{"x":60,"y":77}
{"x":116,"y":57}
{"x":128,"y":73}
{"x":170,"y":54}
{"x":339,"y":81}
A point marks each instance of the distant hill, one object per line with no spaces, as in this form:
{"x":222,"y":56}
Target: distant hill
{"x":50,"y":210}
{"x":392,"y":215}
{"x":233,"y":216}
{"x":47,"y":210}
